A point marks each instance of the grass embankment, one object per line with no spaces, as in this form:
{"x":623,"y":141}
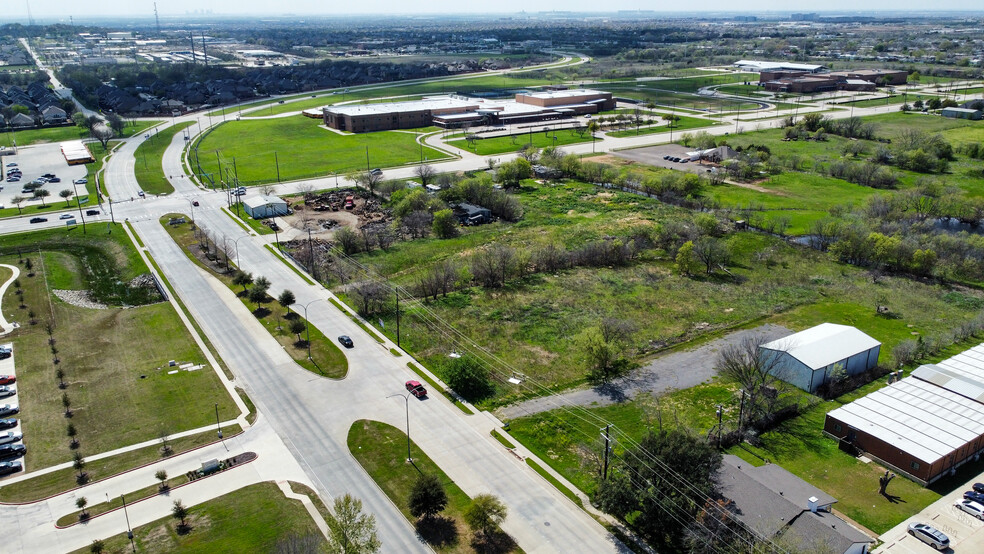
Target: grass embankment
{"x":327,"y":359}
{"x":148,"y":165}
{"x":29,"y":137}
{"x":302,"y":149}
{"x":512,"y":143}
{"x":115,"y":360}
{"x":381,"y":449}
{"x":257,"y":518}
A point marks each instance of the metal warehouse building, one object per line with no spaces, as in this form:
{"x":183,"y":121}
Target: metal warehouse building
{"x":807,"y":359}
{"x":923,"y":426}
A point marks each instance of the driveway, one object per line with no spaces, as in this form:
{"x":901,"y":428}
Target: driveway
{"x":680,"y":369}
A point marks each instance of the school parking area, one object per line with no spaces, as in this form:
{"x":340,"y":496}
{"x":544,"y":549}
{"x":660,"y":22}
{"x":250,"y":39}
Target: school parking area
{"x":965,"y":531}
{"x":35,"y":161}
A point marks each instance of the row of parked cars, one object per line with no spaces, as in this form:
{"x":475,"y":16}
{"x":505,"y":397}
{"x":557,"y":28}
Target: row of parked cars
{"x":676,"y":159}
{"x":11,"y":446}
{"x":13,"y":173}
{"x":972,"y":503}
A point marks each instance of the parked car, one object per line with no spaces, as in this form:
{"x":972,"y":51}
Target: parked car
{"x":6,"y":391}
{"x":66,"y":216}
{"x":416,"y":389}
{"x":92,"y":212}
{"x":48,"y":175}
{"x":376,"y":171}
{"x":80,"y":181}
{"x":346,"y":341}
{"x":12,"y":164}
{"x":6,"y":468}
{"x":195,"y":203}
{"x":971,"y":507}
{"x":978,"y":487}
{"x":7,"y":379}
{"x":7,"y":423}
{"x":7,"y":409}
{"x":140,"y":193}
{"x":38,"y":219}
{"x":929,"y":535}
{"x":4,"y":354}
{"x":13,"y":179}
{"x":975,"y":496}
{"x":9,"y":437}
{"x":54,"y":180}
{"x":12,"y":450}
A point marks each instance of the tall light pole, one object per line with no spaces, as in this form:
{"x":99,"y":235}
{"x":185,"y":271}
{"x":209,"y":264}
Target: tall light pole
{"x":406,"y":403}
{"x":218,"y":427}
{"x":129,"y":532}
{"x":236,"y":242}
{"x":308,"y":321}
{"x":75,"y":186}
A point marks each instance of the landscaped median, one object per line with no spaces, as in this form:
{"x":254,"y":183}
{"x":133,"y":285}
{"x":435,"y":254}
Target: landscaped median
{"x":381,"y":449}
{"x":283,"y":323}
{"x":149,"y":156}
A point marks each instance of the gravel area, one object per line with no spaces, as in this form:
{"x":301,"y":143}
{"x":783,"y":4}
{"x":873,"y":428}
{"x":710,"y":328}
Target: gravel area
{"x":676,"y":370}
{"x":79,"y":298}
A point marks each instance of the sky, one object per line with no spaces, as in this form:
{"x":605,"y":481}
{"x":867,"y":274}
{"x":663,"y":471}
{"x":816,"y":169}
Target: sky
{"x":55,"y":9}
{"x":60,"y":9}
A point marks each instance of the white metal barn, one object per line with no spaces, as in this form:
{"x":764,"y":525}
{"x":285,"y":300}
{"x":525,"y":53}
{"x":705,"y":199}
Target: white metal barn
{"x":264,"y":206}
{"x":806,"y":359}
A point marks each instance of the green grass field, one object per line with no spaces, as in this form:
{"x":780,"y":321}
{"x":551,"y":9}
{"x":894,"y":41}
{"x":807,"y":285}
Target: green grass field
{"x":327,"y":359}
{"x":120,"y":394}
{"x":682,"y":125}
{"x":148,"y":165}
{"x":512,"y":143}
{"x":255,"y":518}
{"x":381,"y":449}
{"x":252,"y":149}
{"x":28,"y":137}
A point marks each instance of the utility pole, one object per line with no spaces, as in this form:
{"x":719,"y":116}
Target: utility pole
{"x":741,"y":412}
{"x":311,"y":252}
{"x":157,"y":19}
{"x":720,"y":412}
{"x":276,"y":161}
{"x":398,"y":317}
{"x":205,"y":51}
{"x":604,"y":474}
{"x":194,"y":60}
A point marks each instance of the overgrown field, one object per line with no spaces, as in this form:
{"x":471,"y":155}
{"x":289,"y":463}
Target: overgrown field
{"x":252,"y":149}
{"x":115,"y":360}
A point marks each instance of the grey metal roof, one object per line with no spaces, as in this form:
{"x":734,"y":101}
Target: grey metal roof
{"x":825,"y":344}
{"x":962,"y":374}
{"x":916,"y":416}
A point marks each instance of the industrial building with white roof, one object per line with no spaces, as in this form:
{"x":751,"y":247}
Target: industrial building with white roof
{"x":808,"y":359}
{"x":455,"y":111}
{"x":924,"y":425}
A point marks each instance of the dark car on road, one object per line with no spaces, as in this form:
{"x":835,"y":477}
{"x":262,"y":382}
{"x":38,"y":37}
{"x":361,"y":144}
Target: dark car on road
{"x":8,"y":423}
{"x":7,"y":409}
{"x":346,"y":341}
{"x":416,"y":389}
{"x":38,"y":219}
{"x":6,"y":468}
{"x":12,"y":450}
{"x":92,"y":212}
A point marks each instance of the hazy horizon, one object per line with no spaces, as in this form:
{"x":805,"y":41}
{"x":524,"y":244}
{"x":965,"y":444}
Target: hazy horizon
{"x":56,"y":10}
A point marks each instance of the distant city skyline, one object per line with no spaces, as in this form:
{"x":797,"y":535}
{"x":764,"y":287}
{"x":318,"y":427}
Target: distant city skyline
{"x":48,"y":10}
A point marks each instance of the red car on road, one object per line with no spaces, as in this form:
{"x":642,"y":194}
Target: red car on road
{"x":7,"y":379}
{"x":416,"y":389}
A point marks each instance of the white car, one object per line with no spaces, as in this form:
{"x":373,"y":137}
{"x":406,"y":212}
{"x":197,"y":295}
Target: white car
{"x":929,"y":535}
{"x":80,"y":181}
{"x":6,"y":391}
{"x":66,"y":216}
{"x":973,"y":508}
{"x":10,"y":436}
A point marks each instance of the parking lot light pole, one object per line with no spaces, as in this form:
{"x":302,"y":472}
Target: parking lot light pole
{"x":307,"y":327}
{"x":406,"y":404}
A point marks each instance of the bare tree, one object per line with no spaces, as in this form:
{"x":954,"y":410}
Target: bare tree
{"x":103,"y":134}
{"x":711,"y":251}
{"x":759,"y":373}
{"x":372,"y":296}
{"x":268,"y":190}
{"x":425,"y":172}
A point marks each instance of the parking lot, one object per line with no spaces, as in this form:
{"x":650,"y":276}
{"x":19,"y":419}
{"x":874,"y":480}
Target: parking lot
{"x":7,"y":368}
{"x":653,"y":155}
{"x":963,"y":529}
{"x":35,"y":161}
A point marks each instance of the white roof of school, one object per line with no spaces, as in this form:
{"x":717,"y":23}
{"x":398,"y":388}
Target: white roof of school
{"x":260,"y":200}
{"x":916,"y":416}
{"x":567,"y":93}
{"x":75,"y":150}
{"x":825,"y":344}
{"x":760,"y":65}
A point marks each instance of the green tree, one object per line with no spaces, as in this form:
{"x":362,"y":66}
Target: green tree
{"x":468,"y":377}
{"x":243,"y":279}
{"x":686,"y":262}
{"x":42,"y":194}
{"x":73,"y":434}
{"x":445,"y":225}
{"x":485,"y":513}
{"x":352,"y":532}
{"x":116,"y":123}
{"x":180,"y":513}
{"x":427,"y":496}
{"x":603,"y":346}
{"x":511,"y":173}
{"x":66,"y":194}
{"x":17,"y":201}
{"x":161,"y":476}
{"x":97,"y":546}
{"x":286,"y":299}
{"x":297,"y":327}
{"x":593,"y":127}
{"x":80,"y":503}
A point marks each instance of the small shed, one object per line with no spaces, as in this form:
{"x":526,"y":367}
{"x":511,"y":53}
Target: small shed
{"x":962,"y":113}
{"x":807,"y":359}
{"x":259,"y":207}
{"x":470,"y":214}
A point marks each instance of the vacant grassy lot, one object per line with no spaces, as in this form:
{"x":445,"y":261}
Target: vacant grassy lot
{"x":27,"y":137}
{"x":512,"y":143}
{"x":531,"y":323}
{"x":148,"y":167}
{"x":682,"y":125}
{"x":326,"y":359}
{"x":382,"y":450}
{"x":115,"y":360}
{"x":252,"y":519}
{"x":252,"y":149}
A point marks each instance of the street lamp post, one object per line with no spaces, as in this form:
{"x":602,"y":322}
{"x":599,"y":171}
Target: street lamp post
{"x":75,"y":187}
{"x":406,"y":403}
{"x":129,"y":532}
{"x":308,"y":326}
{"x":236,"y":242}
{"x":218,"y":427}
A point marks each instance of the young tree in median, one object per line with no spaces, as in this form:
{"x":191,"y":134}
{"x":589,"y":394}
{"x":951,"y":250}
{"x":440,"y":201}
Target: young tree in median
{"x":180,"y":513}
{"x":352,"y":532}
{"x":485,"y":513}
{"x":80,"y":503}
{"x":66,"y":194}
{"x":161,"y":476}
{"x":286,"y":299}
{"x":243,"y":279}
{"x":427,"y":497}
{"x":17,"y":201}
{"x":297,"y":327}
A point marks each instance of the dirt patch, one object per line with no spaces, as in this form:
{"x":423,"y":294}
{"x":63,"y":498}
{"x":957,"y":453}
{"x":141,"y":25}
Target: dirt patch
{"x":609,"y":159}
{"x":79,"y":298}
{"x":756,"y":187}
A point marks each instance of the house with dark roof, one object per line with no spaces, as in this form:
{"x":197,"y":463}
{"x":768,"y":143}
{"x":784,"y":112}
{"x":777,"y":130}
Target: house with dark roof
{"x":53,"y":115}
{"x":21,"y":121}
{"x":777,"y":505}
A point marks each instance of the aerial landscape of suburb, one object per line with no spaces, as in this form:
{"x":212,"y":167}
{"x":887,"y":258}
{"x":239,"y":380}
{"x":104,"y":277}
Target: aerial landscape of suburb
{"x":649,"y":278}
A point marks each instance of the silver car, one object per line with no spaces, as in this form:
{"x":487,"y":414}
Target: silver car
{"x":929,"y":535}
{"x":973,"y":508}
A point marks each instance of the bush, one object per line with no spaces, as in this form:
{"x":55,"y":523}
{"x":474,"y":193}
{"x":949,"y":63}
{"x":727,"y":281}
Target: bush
{"x":468,"y":377}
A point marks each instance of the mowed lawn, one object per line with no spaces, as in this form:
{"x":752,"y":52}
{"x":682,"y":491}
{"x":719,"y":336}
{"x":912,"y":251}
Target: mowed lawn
{"x":148,"y":165}
{"x":252,"y":519}
{"x":512,"y":143}
{"x":60,"y":134}
{"x":252,"y":149}
{"x":115,"y":361}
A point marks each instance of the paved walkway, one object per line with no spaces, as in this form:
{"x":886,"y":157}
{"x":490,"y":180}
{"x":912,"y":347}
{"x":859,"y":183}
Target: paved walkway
{"x":6,"y":325}
{"x":680,"y":369}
